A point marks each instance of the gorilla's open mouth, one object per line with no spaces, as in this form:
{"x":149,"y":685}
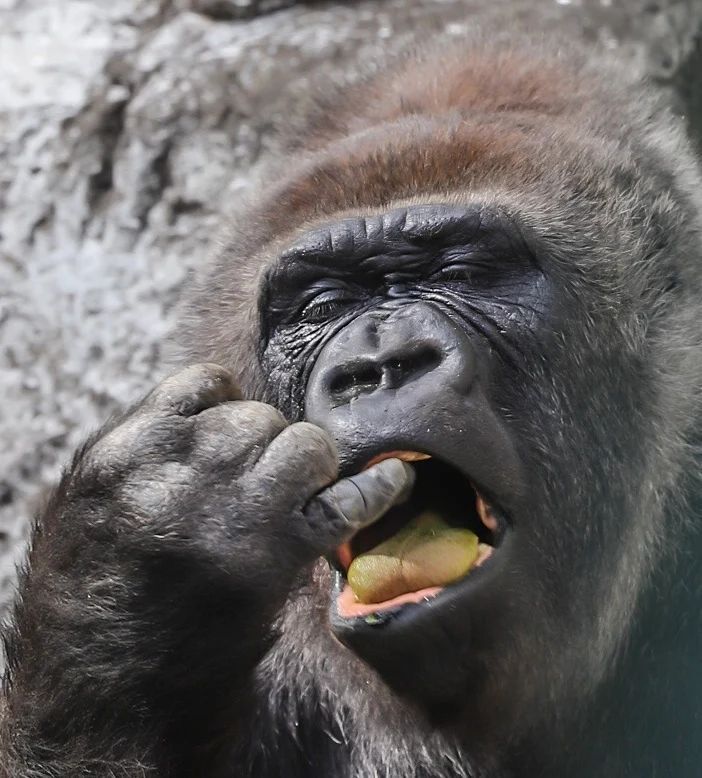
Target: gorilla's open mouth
{"x":445,"y":531}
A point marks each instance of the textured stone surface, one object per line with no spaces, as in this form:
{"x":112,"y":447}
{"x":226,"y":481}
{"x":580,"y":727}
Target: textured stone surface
{"x":128,"y":127}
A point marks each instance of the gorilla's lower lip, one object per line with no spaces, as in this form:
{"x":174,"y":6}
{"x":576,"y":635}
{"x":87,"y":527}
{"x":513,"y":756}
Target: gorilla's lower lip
{"x":440,"y":488}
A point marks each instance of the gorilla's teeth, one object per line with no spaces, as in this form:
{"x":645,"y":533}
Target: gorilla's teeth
{"x":410,"y":456}
{"x":484,"y":552}
{"x":405,"y":456}
{"x":485,"y":513}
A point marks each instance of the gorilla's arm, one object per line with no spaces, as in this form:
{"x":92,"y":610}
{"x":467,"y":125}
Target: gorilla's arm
{"x":156,"y":574}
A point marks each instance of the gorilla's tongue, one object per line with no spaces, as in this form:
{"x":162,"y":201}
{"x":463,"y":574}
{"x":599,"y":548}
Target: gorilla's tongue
{"x":425,"y":553}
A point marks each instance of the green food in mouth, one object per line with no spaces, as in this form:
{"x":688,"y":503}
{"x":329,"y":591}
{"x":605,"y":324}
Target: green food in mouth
{"x":426,"y":552}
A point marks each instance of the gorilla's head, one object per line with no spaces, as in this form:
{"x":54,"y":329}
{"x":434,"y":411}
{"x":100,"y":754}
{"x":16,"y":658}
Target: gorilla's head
{"x":488,"y":265}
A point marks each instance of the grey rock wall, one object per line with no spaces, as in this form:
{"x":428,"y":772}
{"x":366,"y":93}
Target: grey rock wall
{"x":128,"y":128}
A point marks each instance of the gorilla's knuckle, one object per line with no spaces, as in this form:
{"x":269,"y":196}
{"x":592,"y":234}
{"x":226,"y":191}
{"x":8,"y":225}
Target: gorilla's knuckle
{"x":313,"y":449}
{"x":196,"y":378}
{"x":226,"y":418}
{"x":192,"y":389}
{"x":140,"y":442}
{"x":217,"y":439}
{"x":117,"y":446}
{"x":258,"y":417}
{"x":101,"y":463}
{"x":235,"y":431}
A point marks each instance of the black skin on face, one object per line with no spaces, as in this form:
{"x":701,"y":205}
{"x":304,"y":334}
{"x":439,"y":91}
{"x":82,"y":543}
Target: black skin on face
{"x":399,"y":318}
{"x":487,"y":253}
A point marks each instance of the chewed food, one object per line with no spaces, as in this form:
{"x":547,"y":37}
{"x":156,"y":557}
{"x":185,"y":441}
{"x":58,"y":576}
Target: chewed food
{"x":427,"y":552}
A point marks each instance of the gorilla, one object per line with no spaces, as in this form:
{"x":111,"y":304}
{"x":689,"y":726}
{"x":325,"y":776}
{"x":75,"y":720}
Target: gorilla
{"x":460,"y":320}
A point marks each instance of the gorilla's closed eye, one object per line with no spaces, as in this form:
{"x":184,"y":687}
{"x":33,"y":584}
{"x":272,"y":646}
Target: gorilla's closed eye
{"x":326,"y":304}
{"x":333,"y":267}
{"x":457,"y":271}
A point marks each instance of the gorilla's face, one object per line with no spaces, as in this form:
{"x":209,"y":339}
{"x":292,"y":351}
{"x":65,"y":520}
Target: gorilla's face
{"x":408,"y":321}
{"x":505,"y":296}
{"x":447,"y":336}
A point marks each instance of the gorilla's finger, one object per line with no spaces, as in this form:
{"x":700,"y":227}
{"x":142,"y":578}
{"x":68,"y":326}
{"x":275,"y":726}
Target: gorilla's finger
{"x":340,"y":511}
{"x":191,"y":390}
{"x":234,"y":428}
{"x":298,"y":463}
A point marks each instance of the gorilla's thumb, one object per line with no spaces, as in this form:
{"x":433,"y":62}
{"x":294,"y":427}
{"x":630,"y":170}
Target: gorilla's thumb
{"x":352,"y":503}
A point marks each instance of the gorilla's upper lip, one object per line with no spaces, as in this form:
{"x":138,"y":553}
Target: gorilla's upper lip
{"x":443,"y":487}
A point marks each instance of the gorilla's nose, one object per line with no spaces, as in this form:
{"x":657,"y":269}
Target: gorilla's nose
{"x":390,"y":369}
{"x":415,"y":352}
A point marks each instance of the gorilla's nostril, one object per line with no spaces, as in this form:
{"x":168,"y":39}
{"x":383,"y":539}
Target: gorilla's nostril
{"x":401,"y":370}
{"x":351,"y":380}
{"x":354,"y":380}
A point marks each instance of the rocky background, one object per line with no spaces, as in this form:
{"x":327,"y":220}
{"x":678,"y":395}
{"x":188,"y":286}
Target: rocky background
{"x":129,"y":127}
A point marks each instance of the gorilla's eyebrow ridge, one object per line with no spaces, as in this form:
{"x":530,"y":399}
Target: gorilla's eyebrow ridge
{"x":407,"y":232}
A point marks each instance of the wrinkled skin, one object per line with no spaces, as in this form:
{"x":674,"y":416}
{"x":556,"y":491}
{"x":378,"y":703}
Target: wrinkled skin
{"x":482,"y":253}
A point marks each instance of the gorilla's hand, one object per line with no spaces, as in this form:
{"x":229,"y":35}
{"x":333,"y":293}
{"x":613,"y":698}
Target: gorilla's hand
{"x":162,"y":561}
{"x":194,"y":470}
